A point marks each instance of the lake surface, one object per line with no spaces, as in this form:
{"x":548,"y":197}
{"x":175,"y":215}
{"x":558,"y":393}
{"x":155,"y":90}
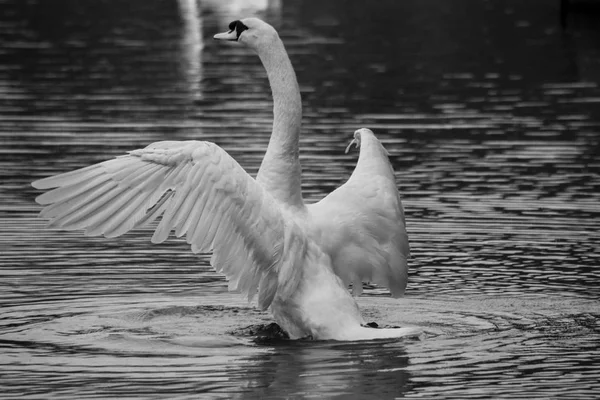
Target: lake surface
{"x":491,"y":114}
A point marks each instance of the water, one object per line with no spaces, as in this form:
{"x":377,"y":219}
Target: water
{"x":491,"y":115}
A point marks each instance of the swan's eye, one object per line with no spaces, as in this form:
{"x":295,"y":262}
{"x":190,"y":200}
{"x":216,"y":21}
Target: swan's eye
{"x":238,"y":26}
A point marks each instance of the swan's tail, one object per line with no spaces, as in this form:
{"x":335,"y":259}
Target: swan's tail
{"x":364,"y":333}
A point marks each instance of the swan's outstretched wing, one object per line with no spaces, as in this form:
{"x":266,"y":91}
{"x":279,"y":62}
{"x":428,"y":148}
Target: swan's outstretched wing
{"x":362,"y":223}
{"x":200,"y":192}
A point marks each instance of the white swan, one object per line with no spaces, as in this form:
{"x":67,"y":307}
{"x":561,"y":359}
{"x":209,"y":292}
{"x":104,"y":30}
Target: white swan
{"x":299,"y":258}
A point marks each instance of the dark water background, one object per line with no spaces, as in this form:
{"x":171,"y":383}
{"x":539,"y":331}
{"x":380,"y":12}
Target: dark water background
{"x":491,"y":113}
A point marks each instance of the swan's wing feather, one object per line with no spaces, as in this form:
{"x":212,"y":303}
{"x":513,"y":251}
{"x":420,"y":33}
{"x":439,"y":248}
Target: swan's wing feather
{"x":197,"y":189}
{"x":363,"y":228}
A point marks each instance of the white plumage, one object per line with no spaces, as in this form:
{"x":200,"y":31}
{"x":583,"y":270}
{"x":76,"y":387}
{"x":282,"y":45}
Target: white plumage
{"x":298,"y":258}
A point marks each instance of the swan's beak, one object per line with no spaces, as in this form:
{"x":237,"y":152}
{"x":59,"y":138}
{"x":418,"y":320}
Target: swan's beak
{"x":231,"y":36}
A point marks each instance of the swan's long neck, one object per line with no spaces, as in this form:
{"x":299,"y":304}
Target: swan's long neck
{"x":280,"y":172}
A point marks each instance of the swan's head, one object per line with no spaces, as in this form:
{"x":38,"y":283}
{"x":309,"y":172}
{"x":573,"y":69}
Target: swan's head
{"x":251,"y":32}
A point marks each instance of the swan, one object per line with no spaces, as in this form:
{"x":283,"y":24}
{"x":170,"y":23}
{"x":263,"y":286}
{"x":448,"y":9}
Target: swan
{"x":298,"y":258}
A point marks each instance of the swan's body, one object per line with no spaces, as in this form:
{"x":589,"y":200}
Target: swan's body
{"x":299,"y":258}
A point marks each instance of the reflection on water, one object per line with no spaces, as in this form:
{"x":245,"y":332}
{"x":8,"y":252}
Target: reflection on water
{"x":490,"y":113}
